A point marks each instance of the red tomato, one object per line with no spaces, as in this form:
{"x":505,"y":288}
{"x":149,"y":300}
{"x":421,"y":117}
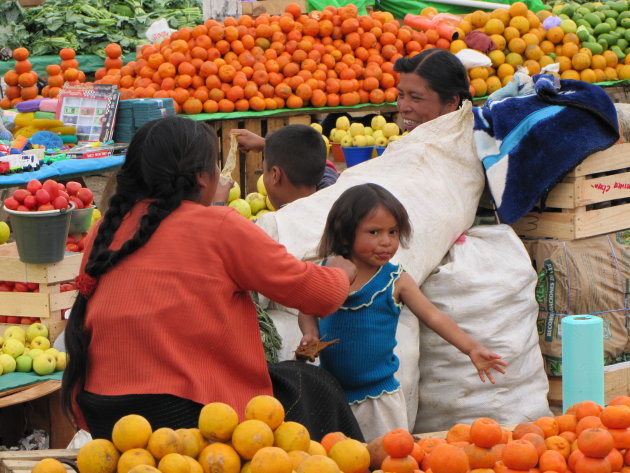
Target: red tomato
{"x":51,"y":187}
{"x":20,"y":287}
{"x":13,"y":320}
{"x":60,"y":202}
{"x":43,"y":196}
{"x":45,"y":207}
{"x":11,"y":203}
{"x":33,"y":186}
{"x":4,"y":287}
{"x":23,"y":208}
{"x":73,"y":187}
{"x":72,"y":247}
{"x":27,"y":321}
{"x":30,"y":201}
{"x":3,"y":319}
{"x":20,"y":195}
{"x":32,"y":286}
{"x":86,"y":196}
{"x":78,"y":203}
{"x":65,"y":287}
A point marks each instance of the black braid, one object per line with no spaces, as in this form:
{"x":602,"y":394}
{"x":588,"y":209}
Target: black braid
{"x":162,"y":163}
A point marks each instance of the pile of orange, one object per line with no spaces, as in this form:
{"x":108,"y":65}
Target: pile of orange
{"x":521,"y":40}
{"x":326,"y":58}
{"x":21,"y":81}
{"x":261,"y":443}
{"x":59,"y":74}
{"x":587,"y":439}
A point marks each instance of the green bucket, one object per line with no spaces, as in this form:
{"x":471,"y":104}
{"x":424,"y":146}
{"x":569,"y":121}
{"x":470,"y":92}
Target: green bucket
{"x":81,"y":220}
{"x":40,"y":236}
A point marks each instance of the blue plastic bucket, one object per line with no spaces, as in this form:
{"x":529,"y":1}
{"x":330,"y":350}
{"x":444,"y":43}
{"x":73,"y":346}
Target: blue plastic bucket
{"x":357,"y":154}
{"x":380,"y":149}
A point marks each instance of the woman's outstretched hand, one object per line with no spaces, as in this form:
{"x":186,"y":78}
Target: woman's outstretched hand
{"x":485,"y":361}
{"x":345,"y":264}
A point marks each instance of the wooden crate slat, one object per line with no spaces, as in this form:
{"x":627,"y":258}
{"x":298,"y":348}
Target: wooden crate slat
{"x":559,"y":225}
{"x":616,"y":383}
{"x":562,"y":196}
{"x":23,"y":461}
{"x":300,"y":120}
{"x":611,"y":159}
{"x":274,"y":124}
{"x":25,"y":304}
{"x":601,"y":221}
{"x":62,"y":300}
{"x":12,"y":269}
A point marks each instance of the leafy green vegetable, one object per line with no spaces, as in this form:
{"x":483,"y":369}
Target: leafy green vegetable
{"x":88,"y":26}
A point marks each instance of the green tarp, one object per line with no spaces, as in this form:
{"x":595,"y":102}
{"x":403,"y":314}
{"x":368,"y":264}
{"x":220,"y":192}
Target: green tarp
{"x":16,"y":380}
{"x":87,"y":63}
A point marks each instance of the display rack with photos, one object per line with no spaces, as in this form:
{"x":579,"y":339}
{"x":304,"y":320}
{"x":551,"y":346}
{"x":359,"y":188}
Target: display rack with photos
{"x":91,"y":108}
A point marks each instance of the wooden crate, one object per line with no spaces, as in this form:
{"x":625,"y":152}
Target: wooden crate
{"x":249,"y":165}
{"x":616,"y":383}
{"x":24,"y":461}
{"x":591,"y":200}
{"x":49,"y":302}
{"x":270,"y":7}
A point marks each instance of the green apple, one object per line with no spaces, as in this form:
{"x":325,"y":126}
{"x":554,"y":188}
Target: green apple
{"x":24,"y":363}
{"x":394,"y":138}
{"x":359,"y":140}
{"x":242,"y":206}
{"x":381,"y":141}
{"x":260,"y":186}
{"x":262,"y":212}
{"x":269,"y":204}
{"x":256,"y":202}
{"x":368,"y":131}
{"x":36,"y":330}
{"x":390,"y":129}
{"x":378,"y":122}
{"x":40,"y":342}
{"x":1,"y":341}
{"x":235,"y":192}
{"x":44,"y":364}
{"x":568,"y":26}
{"x":51,"y":351}
{"x":62,"y":361}
{"x":34,"y":352}
{"x":346,"y":141}
{"x":317,"y":126}
{"x":378,"y":134}
{"x":13,"y":347}
{"x":342,"y":123}
{"x":370,"y":140}
{"x":356,"y":129}
{"x":7,"y":362}
{"x":15,"y":332}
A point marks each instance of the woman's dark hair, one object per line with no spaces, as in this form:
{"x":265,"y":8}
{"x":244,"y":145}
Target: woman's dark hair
{"x":353,"y":206}
{"x":444,"y":73}
{"x":162,"y":163}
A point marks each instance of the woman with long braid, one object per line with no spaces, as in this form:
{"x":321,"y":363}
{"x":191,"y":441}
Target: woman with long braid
{"x":164,"y":322}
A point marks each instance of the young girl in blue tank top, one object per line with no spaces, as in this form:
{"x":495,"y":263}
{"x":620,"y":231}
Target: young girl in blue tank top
{"x":367,"y":224}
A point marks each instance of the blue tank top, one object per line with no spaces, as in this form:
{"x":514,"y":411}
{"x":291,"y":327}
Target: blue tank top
{"x":363,"y":361}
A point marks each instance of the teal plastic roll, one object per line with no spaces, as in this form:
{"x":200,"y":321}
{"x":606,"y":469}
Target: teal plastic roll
{"x":582,"y":360}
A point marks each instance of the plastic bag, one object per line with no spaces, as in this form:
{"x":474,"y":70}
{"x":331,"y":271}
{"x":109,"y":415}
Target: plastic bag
{"x":158,"y":31}
{"x":471,"y":58}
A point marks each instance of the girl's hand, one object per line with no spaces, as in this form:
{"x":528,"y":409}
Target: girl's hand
{"x":248,"y":141}
{"x":345,"y":264}
{"x":310,"y":337}
{"x":485,"y":361}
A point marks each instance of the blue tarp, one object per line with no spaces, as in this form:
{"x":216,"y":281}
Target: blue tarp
{"x":66,"y":168}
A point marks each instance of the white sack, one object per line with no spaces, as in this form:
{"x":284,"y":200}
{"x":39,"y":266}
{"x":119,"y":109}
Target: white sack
{"x":486,"y":284}
{"x":434,"y":171}
{"x":436,"y":174}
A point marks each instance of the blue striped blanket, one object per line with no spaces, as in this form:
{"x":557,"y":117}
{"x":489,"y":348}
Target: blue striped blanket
{"x":529,"y":134}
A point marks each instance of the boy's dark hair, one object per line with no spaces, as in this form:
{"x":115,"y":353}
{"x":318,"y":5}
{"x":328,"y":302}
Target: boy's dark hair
{"x":353,"y":206}
{"x":162,"y":163}
{"x":444,"y":73}
{"x":300,"y":151}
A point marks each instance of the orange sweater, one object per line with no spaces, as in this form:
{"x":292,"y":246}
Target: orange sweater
{"x":176,"y":316}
